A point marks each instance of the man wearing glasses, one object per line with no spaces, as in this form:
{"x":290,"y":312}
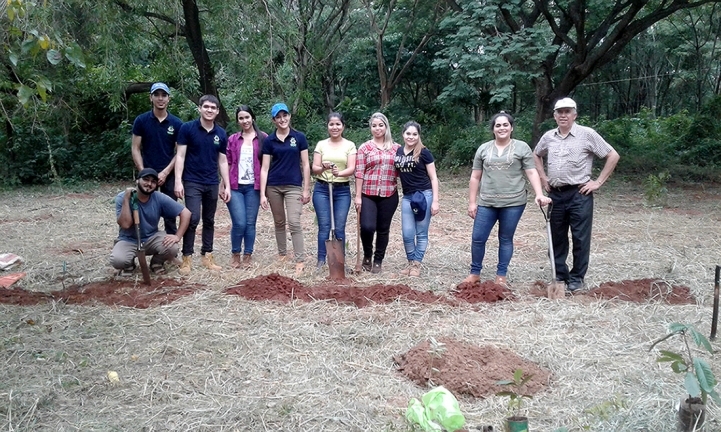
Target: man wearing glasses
{"x":153,"y":145}
{"x":201,"y":153}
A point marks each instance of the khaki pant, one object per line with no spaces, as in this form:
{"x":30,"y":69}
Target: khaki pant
{"x":286,"y":206}
{"x":123,"y":253}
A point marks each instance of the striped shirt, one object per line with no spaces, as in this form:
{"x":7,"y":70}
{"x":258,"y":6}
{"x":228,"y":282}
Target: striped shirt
{"x":570,"y":159}
{"x":375,"y":167}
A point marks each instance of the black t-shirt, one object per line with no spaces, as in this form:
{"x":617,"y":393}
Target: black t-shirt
{"x":414,"y":175}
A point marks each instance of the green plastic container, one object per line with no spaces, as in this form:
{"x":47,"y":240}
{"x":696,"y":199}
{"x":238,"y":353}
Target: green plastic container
{"x":517,"y":424}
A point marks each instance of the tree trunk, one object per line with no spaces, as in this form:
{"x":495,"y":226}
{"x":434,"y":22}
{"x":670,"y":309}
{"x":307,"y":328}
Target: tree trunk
{"x":206,"y":74}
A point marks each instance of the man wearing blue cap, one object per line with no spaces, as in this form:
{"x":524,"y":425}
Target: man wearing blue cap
{"x":153,"y":146}
{"x":151,"y":207}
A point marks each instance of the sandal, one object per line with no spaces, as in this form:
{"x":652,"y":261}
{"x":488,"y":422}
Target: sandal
{"x":157,"y":268}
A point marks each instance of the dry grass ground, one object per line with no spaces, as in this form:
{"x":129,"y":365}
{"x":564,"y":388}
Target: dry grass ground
{"x":214,"y":362}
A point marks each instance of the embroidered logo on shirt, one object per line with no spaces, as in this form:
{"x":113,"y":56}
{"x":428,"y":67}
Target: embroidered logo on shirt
{"x":171,"y":130}
{"x":292,"y":142}
{"x":216,"y":140}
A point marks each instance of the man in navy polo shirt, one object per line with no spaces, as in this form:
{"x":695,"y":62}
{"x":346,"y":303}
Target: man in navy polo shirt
{"x":201,"y":153}
{"x":153,"y":146}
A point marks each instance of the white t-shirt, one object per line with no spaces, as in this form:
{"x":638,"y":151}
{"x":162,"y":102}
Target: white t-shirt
{"x":245,"y":165}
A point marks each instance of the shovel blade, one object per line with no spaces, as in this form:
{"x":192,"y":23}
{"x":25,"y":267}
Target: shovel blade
{"x":556,"y":290}
{"x":144,"y":266}
{"x":335,"y":258}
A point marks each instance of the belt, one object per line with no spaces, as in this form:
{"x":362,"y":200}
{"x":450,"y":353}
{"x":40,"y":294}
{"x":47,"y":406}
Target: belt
{"x":564,"y":188}
{"x":335,"y":184}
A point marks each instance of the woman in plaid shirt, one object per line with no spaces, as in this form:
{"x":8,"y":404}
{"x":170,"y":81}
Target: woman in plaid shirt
{"x":376,"y":193}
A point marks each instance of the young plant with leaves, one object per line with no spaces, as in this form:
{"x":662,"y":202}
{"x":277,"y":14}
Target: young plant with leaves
{"x":698,"y":377}
{"x":515,"y":397}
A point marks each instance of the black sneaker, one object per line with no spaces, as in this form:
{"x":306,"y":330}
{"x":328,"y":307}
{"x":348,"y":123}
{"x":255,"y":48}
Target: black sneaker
{"x":574,"y":286}
{"x":377,"y":267}
{"x":367,"y":264}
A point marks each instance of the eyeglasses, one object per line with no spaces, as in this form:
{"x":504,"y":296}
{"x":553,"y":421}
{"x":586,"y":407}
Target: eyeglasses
{"x":210,"y":107}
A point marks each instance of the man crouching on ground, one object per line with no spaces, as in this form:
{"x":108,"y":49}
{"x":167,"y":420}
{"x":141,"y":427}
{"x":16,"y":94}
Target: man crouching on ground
{"x":151,"y":207}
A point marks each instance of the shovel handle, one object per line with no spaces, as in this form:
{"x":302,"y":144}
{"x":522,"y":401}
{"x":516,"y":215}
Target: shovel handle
{"x":547,"y":212}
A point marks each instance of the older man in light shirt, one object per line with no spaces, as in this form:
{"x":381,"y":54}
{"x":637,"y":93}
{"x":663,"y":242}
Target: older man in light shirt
{"x":569,"y":151}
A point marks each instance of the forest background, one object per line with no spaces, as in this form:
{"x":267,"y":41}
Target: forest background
{"x":645,"y":74}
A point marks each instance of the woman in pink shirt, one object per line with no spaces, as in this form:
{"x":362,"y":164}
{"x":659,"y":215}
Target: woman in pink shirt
{"x":244,"y":171}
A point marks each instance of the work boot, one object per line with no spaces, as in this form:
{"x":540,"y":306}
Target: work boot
{"x":282,"y":258}
{"x":377,"y":267}
{"x":185,"y":266}
{"x":208,"y":262}
{"x":367,"y":266}
{"x":299,"y":267}
{"x":407,"y":269}
{"x":235,"y":260}
{"x":247,"y":260}
{"x":472,"y":278}
{"x":501,"y":280}
{"x":415,"y":269}
{"x":319,"y":266}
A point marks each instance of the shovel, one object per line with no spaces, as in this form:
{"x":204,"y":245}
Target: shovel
{"x":359,"y":257}
{"x":334,"y":246}
{"x":140,"y":253}
{"x":556,"y":290}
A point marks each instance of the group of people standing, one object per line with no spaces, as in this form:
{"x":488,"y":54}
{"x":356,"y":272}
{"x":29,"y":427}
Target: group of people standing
{"x":249,"y":170}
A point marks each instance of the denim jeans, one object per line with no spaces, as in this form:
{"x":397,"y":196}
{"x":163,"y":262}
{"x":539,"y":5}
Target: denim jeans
{"x":375,"y":219}
{"x":573,"y":210}
{"x":415,"y":233}
{"x":243,"y":208}
{"x":197,"y":195}
{"x":341,"y":205}
{"x":168,"y":188}
{"x":486,"y":218}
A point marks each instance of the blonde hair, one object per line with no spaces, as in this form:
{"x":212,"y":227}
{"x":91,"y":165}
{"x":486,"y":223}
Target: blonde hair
{"x":387,"y":139}
{"x":419,"y":147}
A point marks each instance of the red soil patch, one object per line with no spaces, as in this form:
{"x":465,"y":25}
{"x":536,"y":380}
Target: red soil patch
{"x":468,"y":369}
{"x":638,"y":291}
{"x":112,"y":293}
{"x":486,"y":292}
{"x":279,"y":288}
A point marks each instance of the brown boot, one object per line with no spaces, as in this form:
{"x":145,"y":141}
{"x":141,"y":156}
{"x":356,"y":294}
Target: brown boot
{"x":299,"y":267}
{"x":407,"y":269}
{"x":415,"y":269}
{"x":472,"y":278}
{"x":247,"y":260}
{"x":235,"y":260}
{"x":186,"y":265}
{"x":208,"y":262}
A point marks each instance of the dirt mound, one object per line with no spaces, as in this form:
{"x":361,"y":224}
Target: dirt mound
{"x":486,"y":292}
{"x":283,"y":289}
{"x":638,"y":291}
{"x":643,"y":290}
{"x":112,"y":293}
{"x":467,"y":369}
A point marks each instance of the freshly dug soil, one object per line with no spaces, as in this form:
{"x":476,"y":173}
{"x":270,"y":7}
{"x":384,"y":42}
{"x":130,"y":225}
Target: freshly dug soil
{"x":466,"y":369}
{"x":637,"y":291}
{"x":111,"y":292}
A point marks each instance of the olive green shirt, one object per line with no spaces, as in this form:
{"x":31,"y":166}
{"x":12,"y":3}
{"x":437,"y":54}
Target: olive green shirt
{"x":503,"y":183}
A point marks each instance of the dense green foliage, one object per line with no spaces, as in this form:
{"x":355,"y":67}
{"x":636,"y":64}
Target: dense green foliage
{"x":76,"y":73}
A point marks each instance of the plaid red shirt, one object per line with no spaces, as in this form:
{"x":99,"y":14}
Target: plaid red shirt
{"x":375,"y":167}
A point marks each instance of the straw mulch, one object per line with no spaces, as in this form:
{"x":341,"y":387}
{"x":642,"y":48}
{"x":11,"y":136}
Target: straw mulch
{"x":216,"y":362}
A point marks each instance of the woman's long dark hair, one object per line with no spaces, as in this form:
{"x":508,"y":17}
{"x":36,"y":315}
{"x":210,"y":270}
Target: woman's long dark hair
{"x":249,"y":110}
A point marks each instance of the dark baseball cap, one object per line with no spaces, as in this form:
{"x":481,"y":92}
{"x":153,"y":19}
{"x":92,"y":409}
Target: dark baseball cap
{"x":147,"y":172}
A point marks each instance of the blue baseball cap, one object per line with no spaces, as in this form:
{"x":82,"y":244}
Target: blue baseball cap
{"x":159,"y":86}
{"x":419,"y":205}
{"x":278,"y":108}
